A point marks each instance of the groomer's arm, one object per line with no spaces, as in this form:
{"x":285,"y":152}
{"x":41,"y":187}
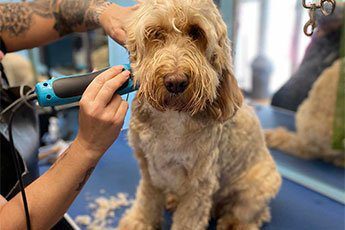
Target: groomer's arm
{"x":101,"y":118}
{"x":29,"y":24}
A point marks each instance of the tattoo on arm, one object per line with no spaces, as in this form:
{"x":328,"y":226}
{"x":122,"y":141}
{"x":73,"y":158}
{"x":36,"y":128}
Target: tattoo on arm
{"x":94,"y":12}
{"x":17,"y":18}
{"x":42,"y":8}
{"x":86,"y":176}
{"x":60,"y":158}
{"x":70,"y":14}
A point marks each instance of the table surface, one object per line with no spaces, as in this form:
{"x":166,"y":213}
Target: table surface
{"x":318,"y":171}
{"x":296,"y":207}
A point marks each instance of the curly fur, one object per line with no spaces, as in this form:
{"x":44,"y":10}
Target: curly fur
{"x":314,"y":123}
{"x":203,"y":146}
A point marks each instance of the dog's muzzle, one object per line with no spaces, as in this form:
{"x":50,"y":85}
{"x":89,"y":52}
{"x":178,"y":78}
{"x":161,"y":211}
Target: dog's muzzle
{"x":176,"y":83}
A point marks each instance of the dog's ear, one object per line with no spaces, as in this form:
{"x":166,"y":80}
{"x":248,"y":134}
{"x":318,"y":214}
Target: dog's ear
{"x":229,"y":96}
{"x":135,"y":38}
{"x":134,"y":43}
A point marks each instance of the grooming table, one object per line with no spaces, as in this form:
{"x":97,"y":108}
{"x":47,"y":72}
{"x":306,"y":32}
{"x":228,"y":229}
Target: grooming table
{"x":314,"y":174}
{"x":297,"y":206}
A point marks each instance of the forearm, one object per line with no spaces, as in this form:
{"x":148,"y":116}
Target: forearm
{"x":29,"y":24}
{"x":101,"y":117}
{"x":50,"y":195}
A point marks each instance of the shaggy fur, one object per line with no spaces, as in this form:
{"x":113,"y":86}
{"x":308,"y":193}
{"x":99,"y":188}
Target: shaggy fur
{"x":203,"y":146}
{"x":314,"y":123}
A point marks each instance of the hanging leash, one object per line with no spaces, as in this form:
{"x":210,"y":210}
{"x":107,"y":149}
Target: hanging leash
{"x":326,"y":7}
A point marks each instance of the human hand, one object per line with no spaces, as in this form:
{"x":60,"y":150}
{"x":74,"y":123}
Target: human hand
{"x":114,"y":21}
{"x":102,"y":112}
{"x":1,"y":55}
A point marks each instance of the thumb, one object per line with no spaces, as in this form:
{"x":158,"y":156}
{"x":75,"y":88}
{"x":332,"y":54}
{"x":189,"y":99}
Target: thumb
{"x":119,"y":36}
{"x":139,"y":2}
{"x":136,"y":6}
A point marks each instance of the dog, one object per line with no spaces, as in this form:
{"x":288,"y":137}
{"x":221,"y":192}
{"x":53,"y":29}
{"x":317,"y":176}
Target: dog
{"x":314,"y":123}
{"x":190,"y":131}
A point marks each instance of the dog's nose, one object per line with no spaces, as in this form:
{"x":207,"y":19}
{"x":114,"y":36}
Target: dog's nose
{"x":176,"y":83}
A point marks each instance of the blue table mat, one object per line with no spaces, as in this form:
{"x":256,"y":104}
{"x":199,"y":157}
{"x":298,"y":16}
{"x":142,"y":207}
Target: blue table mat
{"x":324,"y":172}
{"x":295,"y":207}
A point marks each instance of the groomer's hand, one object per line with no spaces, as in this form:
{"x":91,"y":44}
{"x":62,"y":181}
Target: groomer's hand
{"x":114,"y":21}
{"x":102,"y":112}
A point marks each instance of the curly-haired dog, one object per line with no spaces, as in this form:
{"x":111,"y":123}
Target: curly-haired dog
{"x":184,"y":130}
{"x":314,"y":123}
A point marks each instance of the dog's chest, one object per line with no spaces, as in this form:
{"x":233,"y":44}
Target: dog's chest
{"x":170,"y":170}
{"x":180,"y":150}
{"x":172,"y":147}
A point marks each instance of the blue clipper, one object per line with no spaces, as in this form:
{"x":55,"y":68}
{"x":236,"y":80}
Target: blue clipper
{"x":69,"y":89}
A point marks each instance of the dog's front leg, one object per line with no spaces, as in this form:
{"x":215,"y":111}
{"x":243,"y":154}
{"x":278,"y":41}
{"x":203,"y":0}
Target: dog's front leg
{"x":193,"y":211}
{"x":146,"y":212}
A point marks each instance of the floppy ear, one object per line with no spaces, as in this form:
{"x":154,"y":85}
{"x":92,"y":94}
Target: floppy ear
{"x":135,"y":38}
{"x":229,"y":96}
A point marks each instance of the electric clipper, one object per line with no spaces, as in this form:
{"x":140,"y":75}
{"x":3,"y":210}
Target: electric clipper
{"x":69,"y":89}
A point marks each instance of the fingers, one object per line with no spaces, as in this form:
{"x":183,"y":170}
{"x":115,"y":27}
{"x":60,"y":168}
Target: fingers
{"x":93,"y":89}
{"x":119,"y":35}
{"x":121,"y":113}
{"x":139,"y":2}
{"x":114,"y":104}
{"x":136,"y":6}
{"x":108,"y":89}
{"x":116,"y":110}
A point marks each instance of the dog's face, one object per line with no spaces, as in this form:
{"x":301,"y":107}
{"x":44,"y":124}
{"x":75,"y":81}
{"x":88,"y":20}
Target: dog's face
{"x":180,"y":55}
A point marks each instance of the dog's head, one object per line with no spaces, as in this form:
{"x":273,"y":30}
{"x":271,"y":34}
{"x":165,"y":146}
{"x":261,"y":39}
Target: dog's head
{"x":180,"y":54}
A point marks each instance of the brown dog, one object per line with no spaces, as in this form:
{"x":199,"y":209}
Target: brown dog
{"x":184,"y":130}
{"x":314,"y":123}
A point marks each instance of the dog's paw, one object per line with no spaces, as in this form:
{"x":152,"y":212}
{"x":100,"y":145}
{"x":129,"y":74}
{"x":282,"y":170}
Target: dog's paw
{"x":274,"y":137}
{"x":128,"y":223}
{"x":171,"y":202}
{"x":228,"y":223}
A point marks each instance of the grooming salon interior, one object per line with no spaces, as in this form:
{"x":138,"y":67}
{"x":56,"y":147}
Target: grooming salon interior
{"x":235,"y":120}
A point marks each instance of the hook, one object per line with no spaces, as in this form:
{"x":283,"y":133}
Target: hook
{"x":311,"y":24}
{"x":324,"y":11}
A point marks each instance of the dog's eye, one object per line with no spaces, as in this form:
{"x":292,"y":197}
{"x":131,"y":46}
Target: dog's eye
{"x":154,"y":34}
{"x":198,"y":36}
{"x":159,"y":35}
{"x":195,"y":33}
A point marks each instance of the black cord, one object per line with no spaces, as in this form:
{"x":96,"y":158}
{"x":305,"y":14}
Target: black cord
{"x":16,"y":158}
